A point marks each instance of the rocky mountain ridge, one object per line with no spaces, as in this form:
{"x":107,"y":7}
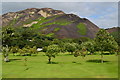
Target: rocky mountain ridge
{"x":31,"y":13}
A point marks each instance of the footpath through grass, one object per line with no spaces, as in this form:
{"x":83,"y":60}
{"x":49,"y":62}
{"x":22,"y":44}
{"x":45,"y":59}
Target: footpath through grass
{"x":64,"y":66}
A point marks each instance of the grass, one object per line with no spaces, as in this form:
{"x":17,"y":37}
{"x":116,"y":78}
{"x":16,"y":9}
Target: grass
{"x":56,"y":29}
{"x":58,"y":22}
{"x":62,"y":22}
{"x":64,"y":66}
{"x":82,"y":28}
{"x":42,"y":22}
{"x":50,"y":34}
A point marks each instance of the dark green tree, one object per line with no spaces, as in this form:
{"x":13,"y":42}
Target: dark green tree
{"x":7,"y":36}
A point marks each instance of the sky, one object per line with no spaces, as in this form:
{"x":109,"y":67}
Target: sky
{"x":103,"y":14}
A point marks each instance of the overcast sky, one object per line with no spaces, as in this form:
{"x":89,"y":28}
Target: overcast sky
{"x":103,"y":14}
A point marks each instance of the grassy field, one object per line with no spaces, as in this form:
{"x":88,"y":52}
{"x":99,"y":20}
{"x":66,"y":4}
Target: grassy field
{"x":64,"y":66}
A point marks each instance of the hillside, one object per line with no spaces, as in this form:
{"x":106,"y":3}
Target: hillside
{"x":114,"y":31}
{"x":51,"y":23}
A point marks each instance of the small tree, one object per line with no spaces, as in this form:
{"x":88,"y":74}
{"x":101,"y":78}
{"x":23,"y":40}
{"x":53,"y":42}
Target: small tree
{"x":5,"y":51}
{"x":52,"y":51}
{"x":82,"y":52}
{"x":105,"y":42}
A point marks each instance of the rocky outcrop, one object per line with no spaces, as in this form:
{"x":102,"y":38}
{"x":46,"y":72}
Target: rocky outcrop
{"x":47,"y":12}
{"x":29,"y":25}
{"x":26,"y":16}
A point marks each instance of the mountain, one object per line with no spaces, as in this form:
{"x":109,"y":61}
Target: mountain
{"x":51,"y":23}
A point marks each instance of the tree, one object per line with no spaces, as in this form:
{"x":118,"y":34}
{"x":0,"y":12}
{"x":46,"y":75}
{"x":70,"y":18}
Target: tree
{"x":5,"y":51}
{"x":105,"y":42}
{"x":23,"y":51}
{"x":7,"y":35}
{"x":89,"y":46}
{"x":14,"y":49}
{"x":70,"y":47}
{"x":26,"y":37}
{"x":33,"y":50}
{"x":27,"y":51}
{"x":78,"y":41}
{"x":82,"y":52}
{"x":52,"y":51}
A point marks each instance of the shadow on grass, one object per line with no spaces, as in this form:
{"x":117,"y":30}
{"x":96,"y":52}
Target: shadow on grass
{"x":52,"y":62}
{"x":97,"y":61}
{"x":68,"y":54}
{"x":15,"y":59}
{"x":33,"y":55}
{"x":76,"y":62}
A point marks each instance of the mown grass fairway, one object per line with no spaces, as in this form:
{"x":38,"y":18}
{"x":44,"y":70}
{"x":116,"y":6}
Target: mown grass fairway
{"x":64,"y":66}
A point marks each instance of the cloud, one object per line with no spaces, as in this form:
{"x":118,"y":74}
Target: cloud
{"x":106,"y":21}
{"x":59,"y":0}
{"x":103,"y":14}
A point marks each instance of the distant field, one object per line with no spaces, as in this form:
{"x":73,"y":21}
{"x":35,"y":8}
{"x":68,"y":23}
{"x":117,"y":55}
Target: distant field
{"x":64,"y":66}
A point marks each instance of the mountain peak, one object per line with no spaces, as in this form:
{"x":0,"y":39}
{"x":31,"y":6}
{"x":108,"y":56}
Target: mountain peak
{"x":46,"y":12}
{"x":51,"y":22}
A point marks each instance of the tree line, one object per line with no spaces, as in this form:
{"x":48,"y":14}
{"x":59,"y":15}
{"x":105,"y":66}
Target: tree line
{"x":25,"y":41}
